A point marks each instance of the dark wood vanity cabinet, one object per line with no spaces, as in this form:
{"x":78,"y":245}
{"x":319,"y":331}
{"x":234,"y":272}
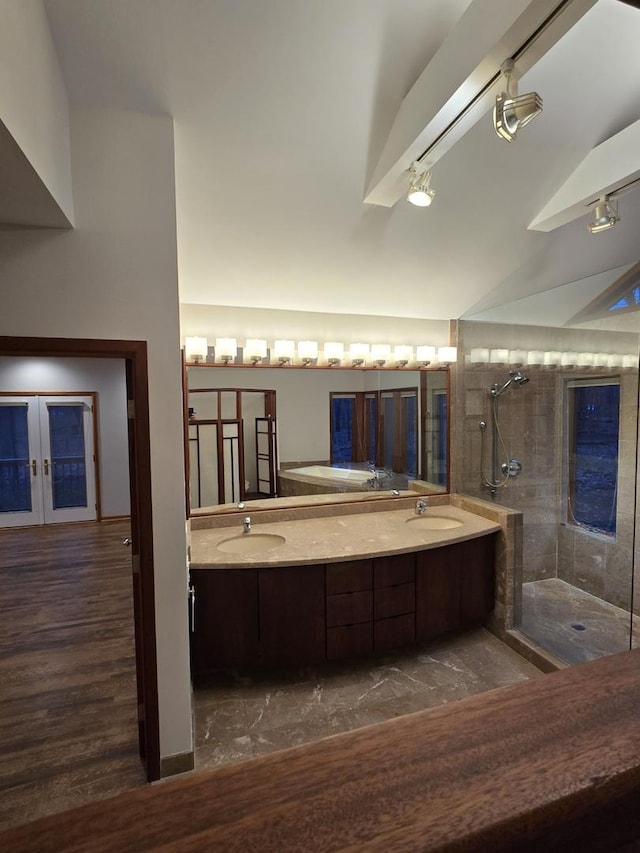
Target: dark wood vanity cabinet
{"x":249,"y":617}
{"x":455,"y":586}
{"x":303,"y":615}
{"x":292,"y":615}
{"x":225,"y":629}
{"x":394,"y":602}
{"x":349,"y":609}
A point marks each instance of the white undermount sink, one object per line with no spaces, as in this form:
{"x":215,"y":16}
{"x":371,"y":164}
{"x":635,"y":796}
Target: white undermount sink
{"x":251,"y":543}
{"x":434,"y":522}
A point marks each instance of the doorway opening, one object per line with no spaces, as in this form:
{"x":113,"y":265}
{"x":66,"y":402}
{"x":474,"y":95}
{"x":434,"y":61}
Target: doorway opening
{"x":134,"y":354}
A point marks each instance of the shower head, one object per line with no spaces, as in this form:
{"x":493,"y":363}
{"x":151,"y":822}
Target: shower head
{"x":518,"y":377}
{"x":514,"y":376}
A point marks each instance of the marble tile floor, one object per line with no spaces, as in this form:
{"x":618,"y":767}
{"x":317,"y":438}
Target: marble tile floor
{"x":242,"y":715}
{"x":550,"y":609}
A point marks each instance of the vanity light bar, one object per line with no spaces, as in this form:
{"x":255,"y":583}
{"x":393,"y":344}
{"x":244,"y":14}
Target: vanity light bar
{"x":549,"y":358}
{"x":288,"y":353}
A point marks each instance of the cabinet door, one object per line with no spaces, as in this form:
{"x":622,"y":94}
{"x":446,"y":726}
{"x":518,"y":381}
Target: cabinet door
{"x":394,"y":570}
{"x":394,"y":600}
{"x":394,"y":633}
{"x":349,"y":608}
{"x":352,"y":576}
{"x":477,"y":579}
{"x":226,"y":619}
{"x":292,"y":615}
{"x":437,"y":591}
{"x":349,"y":641}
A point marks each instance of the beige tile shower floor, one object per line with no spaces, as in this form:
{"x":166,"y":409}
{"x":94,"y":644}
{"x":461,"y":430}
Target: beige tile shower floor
{"x":242,"y":716}
{"x":574,"y":625}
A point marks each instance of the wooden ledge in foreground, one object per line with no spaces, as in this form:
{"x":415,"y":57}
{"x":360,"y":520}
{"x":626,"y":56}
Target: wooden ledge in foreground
{"x":551,"y":764}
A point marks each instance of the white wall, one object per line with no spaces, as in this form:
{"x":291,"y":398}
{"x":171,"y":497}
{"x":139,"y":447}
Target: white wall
{"x":115,"y":277}
{"x":33,"y":99}
{"x":106,"y":377}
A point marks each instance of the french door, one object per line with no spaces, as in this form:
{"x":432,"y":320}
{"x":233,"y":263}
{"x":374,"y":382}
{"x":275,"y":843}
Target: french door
{"x":47,"y":462}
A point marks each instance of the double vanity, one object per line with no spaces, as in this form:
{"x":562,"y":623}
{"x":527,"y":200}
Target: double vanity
{"x":323,"y":588}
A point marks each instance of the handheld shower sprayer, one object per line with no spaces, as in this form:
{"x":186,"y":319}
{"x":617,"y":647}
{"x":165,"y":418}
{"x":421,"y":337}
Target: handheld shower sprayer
{"x":514,"y":376}
{"x":510,"y":467}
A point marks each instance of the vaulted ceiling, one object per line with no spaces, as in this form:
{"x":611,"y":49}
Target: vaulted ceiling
{"x":282,"y":111}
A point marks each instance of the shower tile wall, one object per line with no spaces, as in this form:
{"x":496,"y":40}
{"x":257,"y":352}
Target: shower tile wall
{"x":531,"y":420}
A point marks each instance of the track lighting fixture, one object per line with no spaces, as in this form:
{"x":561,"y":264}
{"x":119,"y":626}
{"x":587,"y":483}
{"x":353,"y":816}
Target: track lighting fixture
{"x":605,"y":215}
{"x":420,"y":193}
{"x":513,"y":111}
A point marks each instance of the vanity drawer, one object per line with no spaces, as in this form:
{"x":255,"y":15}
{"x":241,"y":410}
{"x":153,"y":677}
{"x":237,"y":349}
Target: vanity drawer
{"x":349,"y":577}
{"x":349,"y":641}
{"x":399,"y":568}
{"x":349,"y":608}
{"x":394,"y":600}
{"x":394,"y":633}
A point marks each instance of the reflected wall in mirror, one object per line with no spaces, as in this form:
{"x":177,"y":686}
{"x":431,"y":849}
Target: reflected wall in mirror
{"x":257,"y":433}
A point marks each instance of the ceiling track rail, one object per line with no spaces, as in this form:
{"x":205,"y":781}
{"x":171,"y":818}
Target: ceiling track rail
{"x":551,"y":18}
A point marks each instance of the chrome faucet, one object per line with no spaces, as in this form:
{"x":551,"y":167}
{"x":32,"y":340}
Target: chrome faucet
{"x":421,"y":507}
{"x":246,"y":524}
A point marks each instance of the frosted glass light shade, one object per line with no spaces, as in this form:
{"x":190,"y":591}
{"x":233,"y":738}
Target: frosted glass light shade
{"x":307,"y":351}
{"x":284,"y":350}
{"x":195,"y":348}
{"x":333,"y":352}
{"x":226,"y":349}
{"x":499,"y":356}
{"x":402,"y":355}
{"x":447,"y":355}
{"x":552,"y":358}
{"x":479,"y":355}
{"x":585,"y":359}
{"x":600,"y":359}
{"x":568,"y":359}
{"x":380,"y":353}
{"x":614,"y":359}
{"x":425,"y":354}
{"x":535,"y":356}
{"x":255,"y":349}
{"x":518,"y":356}
{"x":630,"y":360}
{"x":359,"y":353}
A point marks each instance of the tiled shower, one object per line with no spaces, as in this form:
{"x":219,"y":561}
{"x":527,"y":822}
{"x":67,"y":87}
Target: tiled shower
{"x":574,"y":593}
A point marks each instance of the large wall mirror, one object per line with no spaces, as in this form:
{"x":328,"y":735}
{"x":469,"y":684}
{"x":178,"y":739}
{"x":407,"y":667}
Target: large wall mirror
{"x":259,"y":433}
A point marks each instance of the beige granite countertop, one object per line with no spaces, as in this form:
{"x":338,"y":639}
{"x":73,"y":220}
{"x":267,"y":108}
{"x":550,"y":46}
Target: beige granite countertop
{"x":337,"y":538}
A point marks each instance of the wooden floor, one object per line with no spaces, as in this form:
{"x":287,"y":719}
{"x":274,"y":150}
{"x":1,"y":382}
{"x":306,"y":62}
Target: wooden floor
{"x":68,"y":731}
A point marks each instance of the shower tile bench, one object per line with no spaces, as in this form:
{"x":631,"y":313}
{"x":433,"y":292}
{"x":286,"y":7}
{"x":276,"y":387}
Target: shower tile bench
{"x":551,"y":764}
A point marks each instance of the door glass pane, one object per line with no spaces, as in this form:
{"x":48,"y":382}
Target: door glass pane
{"x":15,"y":482}
{"x":342,"y":412}
{"x":69,"y":475}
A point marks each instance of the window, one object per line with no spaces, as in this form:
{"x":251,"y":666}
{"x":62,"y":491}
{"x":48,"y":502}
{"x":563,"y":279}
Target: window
{"x":593,"y":421}
{"x":353,"y":426}
{"x":377,"y":427}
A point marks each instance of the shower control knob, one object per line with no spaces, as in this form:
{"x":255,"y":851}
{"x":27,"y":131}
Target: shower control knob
{"x":511,"y":468}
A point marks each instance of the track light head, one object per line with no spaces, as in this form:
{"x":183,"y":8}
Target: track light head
{"x":513,"y":111}
{"x":420,"y":193}
{"x":605,"y":215}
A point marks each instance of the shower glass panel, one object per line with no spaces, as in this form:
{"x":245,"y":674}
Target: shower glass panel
{"x":572,"y":429}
